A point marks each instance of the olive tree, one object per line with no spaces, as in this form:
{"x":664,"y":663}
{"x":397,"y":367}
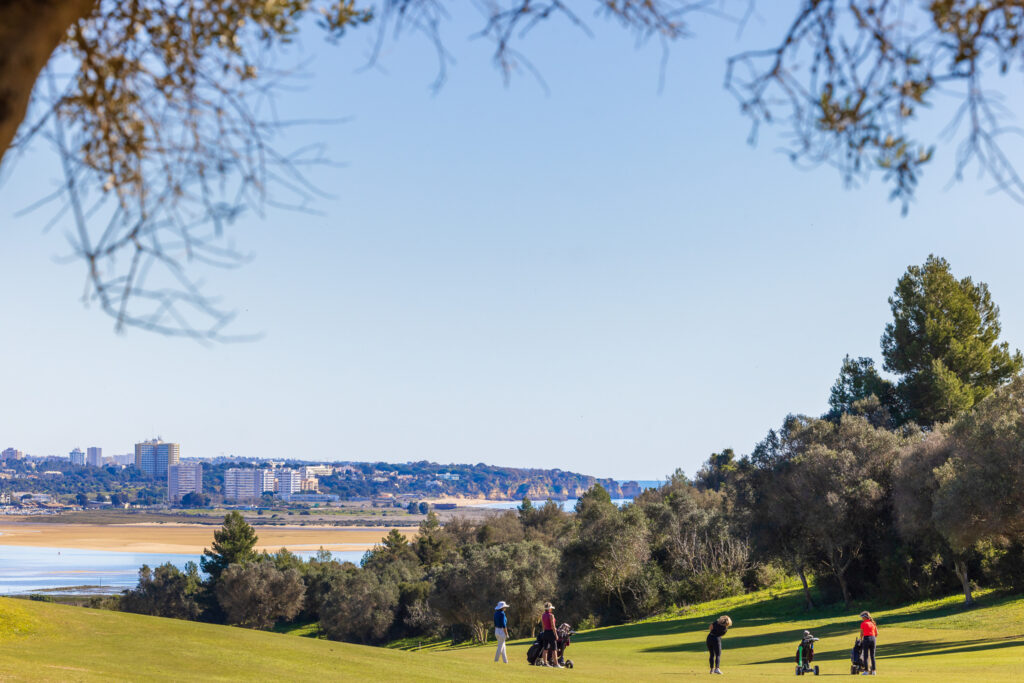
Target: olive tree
{"x":258,"y":594}
{"x":166,"y":591}
{"x":922,"y":468}
{"x":467,"y":588}
{"x":361,"y":607}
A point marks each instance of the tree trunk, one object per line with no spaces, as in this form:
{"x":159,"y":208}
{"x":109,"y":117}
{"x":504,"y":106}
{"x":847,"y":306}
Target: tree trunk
{"x":842,"y":584}
{"x":807,"y":590}
{"x":30,"y":30}
{"x":960,"y":567}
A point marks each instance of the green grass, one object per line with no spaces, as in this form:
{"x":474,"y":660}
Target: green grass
{"x":930,"y":641}
{"x":939,"y":640}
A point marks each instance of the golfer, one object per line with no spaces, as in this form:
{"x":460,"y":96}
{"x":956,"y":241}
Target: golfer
{"x":718,"y":628}
{"x":548,"y":637}
{"x":501,"y":630}
{"x":868,"y":633}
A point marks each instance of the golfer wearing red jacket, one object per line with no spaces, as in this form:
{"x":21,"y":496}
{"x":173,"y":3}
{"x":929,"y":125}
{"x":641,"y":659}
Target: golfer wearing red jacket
{"x":868,"y":633}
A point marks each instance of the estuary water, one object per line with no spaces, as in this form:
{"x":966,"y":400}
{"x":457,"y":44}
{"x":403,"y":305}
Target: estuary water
{"x":25,"y":569}
{"x":568,"y":504}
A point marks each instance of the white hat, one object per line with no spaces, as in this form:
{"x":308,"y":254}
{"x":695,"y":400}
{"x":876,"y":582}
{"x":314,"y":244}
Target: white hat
{"x":501,"y":605}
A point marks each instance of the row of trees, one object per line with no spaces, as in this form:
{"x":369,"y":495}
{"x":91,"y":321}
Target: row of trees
{"x":603,"y":564}
{"x":904,"y":489}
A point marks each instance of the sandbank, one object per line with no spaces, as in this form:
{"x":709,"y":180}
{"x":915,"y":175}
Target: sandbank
{"x":460,"y":501}
{"x":185,"y":538}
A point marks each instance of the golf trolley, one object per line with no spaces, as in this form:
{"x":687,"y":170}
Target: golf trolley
{"x":805,"y":655}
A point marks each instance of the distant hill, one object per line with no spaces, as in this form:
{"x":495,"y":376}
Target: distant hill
{"x":429,"y":479}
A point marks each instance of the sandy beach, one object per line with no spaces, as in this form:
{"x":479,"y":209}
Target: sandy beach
{"x":186,"y":538}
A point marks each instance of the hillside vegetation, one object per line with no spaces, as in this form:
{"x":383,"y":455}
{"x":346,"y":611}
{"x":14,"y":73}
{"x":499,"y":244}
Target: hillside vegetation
{"x":938,"y":640}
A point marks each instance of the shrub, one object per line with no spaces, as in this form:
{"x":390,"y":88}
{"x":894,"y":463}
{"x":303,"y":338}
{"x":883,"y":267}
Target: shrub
{"x":763,"y":575}
{"x":711,"y":586}
{"x":259,"y":594}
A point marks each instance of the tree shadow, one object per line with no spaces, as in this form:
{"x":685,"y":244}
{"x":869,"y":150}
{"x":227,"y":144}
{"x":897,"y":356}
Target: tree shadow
{"x":785,"y":610}
{"x":911,"y":648}
{"x":775,"y":638}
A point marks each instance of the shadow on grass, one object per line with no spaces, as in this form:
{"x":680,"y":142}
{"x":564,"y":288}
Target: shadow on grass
{"x":775,"y":638}
{"x":912,"y":648}
{"x":787,"y":609}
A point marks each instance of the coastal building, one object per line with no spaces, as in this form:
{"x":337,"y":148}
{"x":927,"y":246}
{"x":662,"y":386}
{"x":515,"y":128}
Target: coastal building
{"x":154,"y":457}
{"x":247,"y":484}
{"x":124,"y":459}
{"x":183,"y":479}
{"x":94,"y":456}
{"x":11,"y":454}
{"x":310,"y":498}
{"x":77,"y":457}
{"x":311,"y":484}
{"x":310,"y":471}
{"x":287,"y":481}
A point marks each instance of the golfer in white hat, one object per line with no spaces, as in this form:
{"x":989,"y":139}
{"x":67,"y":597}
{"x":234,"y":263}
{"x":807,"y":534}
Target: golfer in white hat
{"x":501,"y":631}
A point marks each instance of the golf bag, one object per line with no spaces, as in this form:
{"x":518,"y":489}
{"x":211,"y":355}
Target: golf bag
{"x":534,"y":653}
{"x":857,"y":658}
{"x":804,"y":657}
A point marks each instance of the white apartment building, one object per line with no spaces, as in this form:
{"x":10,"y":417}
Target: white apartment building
{"x":310,"y":471}
{"x":288,"y":481}
{"x":77,"y":457}
{"x":247,"y":484}
{"x":124,"y":459}
{"x":94,"y":456}
{"x":183,"y":479}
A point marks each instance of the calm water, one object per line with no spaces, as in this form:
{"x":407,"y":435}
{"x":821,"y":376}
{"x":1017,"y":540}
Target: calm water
{"x":29,"y":570}
{"x":568,"y":504}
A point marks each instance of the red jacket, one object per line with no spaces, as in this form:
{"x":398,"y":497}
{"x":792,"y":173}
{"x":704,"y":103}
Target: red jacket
{"x":868,"y":628}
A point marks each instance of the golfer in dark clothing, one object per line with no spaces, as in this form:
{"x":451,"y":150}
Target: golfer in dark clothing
{"x":718,"y":629}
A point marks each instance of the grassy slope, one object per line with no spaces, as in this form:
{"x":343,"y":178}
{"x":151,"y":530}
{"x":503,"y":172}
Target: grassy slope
{"x":935,"y":641}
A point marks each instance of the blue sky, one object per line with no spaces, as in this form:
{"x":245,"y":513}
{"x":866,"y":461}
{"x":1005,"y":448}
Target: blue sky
{"x":603,"y":277}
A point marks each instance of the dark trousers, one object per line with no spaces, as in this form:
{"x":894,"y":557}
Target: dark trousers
{"x":714,"y":651}
{"x":867,"y":649}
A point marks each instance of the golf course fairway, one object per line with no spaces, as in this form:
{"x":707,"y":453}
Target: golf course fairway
{"x":932,"y":641}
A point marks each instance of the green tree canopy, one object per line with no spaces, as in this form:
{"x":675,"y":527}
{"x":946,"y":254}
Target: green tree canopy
{"x":233,"y":543}
{"x":944,"y":343}
{"x":860,"y":390}
{"x":258,"y":594}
